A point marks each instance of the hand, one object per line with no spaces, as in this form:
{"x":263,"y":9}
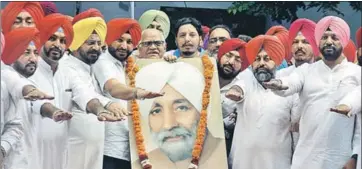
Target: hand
{"x":235,"y":93}
{"x":294,"y":127}
{"x":118,"y":111}
{"x":143,"y":94}
{"x":36,"y":94}
{"x":170,"y":58}
{"x":61,"y":115}
{"x":342,"y":109}
{"x":275,"y":84}
{"x":351,"y":164}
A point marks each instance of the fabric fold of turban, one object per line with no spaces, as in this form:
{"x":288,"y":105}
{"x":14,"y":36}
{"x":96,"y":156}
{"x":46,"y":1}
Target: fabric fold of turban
{"x":307,"y":28}
{"x":2,"y":42}
{"x":84,"y":28}
{"x":272,"y":46}
{"x":51,"y":23}
{"x":17,"y":41}
{"x":155,"y":15}
{"x":48,"y":7}
{"x":359,"y":37}
{"x":180,"y":76}
{"x":336,"y":25}
{"x":234,"y":44}
{"x":283,"y":35}
{"x":350,"y":51}
{"x":117,"y":27}
{"x":91,"y":12}
{"x":12,"y":10}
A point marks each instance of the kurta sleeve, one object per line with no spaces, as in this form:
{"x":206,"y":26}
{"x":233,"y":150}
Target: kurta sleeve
{"x":294,"y":81}
{"x":295,"y":117}
{"x":11,"y":78}
{"x":106,"y":70}
{"x":353,"y":100}
{"x":36,"y":105}
{"x":356,"y":142}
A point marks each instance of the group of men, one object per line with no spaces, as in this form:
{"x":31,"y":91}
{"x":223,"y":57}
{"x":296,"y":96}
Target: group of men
{"x":64,"y":92}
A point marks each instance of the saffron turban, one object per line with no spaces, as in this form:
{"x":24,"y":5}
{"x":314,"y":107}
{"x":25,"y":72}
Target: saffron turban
{"x":84,"y":28}
{"x":91,"y":12}
{"x":283,"y":35}
{"x":272,"y":46}
{"x":2,"y":42}
{"x":155,"y":15}
{"x":48,"y":7}
{"x":350,"y":51}
{"x":359,"y":37}
{"x":231,"y":45}
{"x":12,"y":10}
{"x":117,"y":27}
{"x":336,"y":25}
{"x":306,"y":27}
{"x":17,"y":41}
{"x":51,"y":23}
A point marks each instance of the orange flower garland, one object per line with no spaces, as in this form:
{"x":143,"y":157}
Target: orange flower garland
{"x":131,"y":71}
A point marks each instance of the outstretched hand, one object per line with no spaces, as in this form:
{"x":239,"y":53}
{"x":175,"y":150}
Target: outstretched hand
{"x":234,"y":94}
{"x":342,"y":109}
{"x":170,"y":58}
{"x":144,"y":94}
{"x":36,"y":94}
{"x":61,"y":115}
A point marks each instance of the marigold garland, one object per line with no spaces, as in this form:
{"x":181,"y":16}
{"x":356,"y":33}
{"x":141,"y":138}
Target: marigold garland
{"x":131,"y":71}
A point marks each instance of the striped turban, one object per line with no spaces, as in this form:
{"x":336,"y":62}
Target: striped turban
{"x":17,"y":41}
{"x":12,"y":10}
{"x":84,"y":28}
{"x":155,"y":15}
{"x":117,"y":27}
{"x":283,"y":35}
{"x":91,"y":12}
{"x":231,"y":45}
{"x":272,"y":46}
{"x":336,"y":25}
{"x":307,"y":28}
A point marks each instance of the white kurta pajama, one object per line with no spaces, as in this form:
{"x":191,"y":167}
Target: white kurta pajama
{"x":262,"y":139}
{"x":86,"y":133}
{"x":53,"y":136}
{"x":326,"y":139}
{"x":116,"y":142}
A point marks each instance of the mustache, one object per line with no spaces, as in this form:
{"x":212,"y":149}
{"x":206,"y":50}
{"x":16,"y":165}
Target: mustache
{"x":187,"y":44}
{"x":329,"y":47}
{"x":94,"y":52}
{"x":299,"y":50}
{"x":262,"y":69}
{"x":229,"y":66}
{"x":163,"y":135}
{"x":31,"y":64}
{"x":56,"y":49}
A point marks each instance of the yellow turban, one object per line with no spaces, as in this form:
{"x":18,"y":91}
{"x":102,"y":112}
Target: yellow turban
{"x":155,"y":15}
{"x":84,"y":28}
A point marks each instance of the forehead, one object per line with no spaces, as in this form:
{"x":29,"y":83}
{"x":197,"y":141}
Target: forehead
{"x":262,"y":53}
{"x":329,"y":33}
{"x":299,"y":36}
{"x":152,"y":34}
{"x":188,"y":28}
{"x":94,"y":37}
{"x":24,"y":15}
{"x":31,"y":46}
{"x":233,"y":52}
{"x":126,"y":36}
{"x":219,"y":32}
{"x":59,"y":34}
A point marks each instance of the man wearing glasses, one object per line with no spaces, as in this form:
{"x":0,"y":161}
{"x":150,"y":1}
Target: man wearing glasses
{"x":152,"y":45}
{"x":218,"y":35}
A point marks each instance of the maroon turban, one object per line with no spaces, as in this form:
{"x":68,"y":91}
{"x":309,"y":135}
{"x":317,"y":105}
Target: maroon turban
{"x":48,"y":7}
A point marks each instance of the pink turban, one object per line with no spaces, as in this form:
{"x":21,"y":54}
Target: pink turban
{"x":335,"y":24}
{"x":307,"y":28}
{"x":2,"y":42}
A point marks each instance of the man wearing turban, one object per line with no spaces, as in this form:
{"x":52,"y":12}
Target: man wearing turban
{"x":283,"y":35}
{"x":48,"y":7}
{"x":359,"y":45}
{"x":91,"y":12}
{"x":171,"y":121}
{"x":321,"y":85}
{"x":21,"y":14}
{"x":123,"y":34}
{"x":260,"y":120}
{"x":152,"y":44}
{"x":350,"y":52}
{"x":22,"y":46}
{"x":155,"y":19}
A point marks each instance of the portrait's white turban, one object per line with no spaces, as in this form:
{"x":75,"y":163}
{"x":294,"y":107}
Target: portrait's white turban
{"x":183,"y":77}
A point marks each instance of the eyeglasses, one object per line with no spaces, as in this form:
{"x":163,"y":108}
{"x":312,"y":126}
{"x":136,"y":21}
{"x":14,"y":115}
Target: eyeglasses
{"x":157,"y":43}
{"x":214,"y":40}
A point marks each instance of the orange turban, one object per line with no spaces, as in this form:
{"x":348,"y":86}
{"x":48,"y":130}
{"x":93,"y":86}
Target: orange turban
{"x":335,"y":24}
{"x":12,"y":10}
{"x":117,"y":27}
{"x":306,"y":27}
{"x":51,"y":23}
{"x":17,"y":41}
{"x":350,"y":51}
{"x":91,"y":12}
{"x":234,"y":44}
{"x":283,"y":35}
{"x":272,"y":46}
{"x":359,"y":37}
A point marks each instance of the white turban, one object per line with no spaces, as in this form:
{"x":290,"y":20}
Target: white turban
{"x":183,"y":77}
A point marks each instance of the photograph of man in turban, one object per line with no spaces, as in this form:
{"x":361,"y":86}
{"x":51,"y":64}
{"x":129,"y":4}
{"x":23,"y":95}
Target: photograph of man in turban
{"x":170,"y":122}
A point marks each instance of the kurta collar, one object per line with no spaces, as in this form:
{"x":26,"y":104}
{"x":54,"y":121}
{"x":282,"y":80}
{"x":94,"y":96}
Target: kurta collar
{"x":80,"y":64}
{"x":44,"y":65}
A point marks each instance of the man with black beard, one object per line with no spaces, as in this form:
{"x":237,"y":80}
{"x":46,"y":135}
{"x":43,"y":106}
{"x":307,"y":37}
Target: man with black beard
{"x":263,"y":118}
{"x":231,"y":60}
{"x":322,"y":85}
{"x":123,"y":35}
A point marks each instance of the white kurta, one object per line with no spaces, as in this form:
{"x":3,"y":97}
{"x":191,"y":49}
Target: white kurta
{"x":327,"y":140}
{"x":86,"y":133}
{"x":53,"y":136}
{"x":116,"y":142}
{"x":286,"y":71}
{"x":262,"y":139}
{"x":11,"y":130}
